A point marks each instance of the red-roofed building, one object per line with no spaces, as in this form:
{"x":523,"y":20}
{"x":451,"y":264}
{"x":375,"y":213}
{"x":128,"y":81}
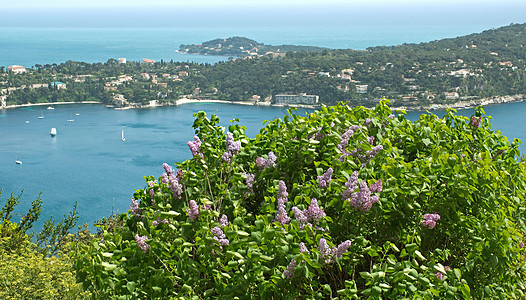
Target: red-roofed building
{"x":16,"y":69}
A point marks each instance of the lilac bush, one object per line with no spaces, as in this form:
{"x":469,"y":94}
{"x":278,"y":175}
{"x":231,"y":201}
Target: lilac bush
{"x":372,"y":244}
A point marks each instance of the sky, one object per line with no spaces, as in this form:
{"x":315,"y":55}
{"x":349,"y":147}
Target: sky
{"x":179,"y":13}
{"x":200,"y":3}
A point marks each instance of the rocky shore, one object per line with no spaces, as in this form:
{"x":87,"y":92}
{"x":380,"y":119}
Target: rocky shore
{"x":468,"y":103}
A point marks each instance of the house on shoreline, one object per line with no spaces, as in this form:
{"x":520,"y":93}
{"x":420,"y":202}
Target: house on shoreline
{"x":302,"y":98}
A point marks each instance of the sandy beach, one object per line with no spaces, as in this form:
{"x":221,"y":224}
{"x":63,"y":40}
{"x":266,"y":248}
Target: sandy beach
{"x":49,"y":104}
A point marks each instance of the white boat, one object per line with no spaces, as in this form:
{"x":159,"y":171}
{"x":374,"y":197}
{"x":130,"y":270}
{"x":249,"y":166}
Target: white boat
{"x":18,"y":162}
{"x":50,"y":107}
{"x":77,"y":114}
{"x":71,"y":120}
{"x":53,"y":131}
{"x":27,"y":122}
{"x":122,"y":133}
{"x":41,"y":115}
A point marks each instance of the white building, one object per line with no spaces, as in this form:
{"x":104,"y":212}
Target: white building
{"x":15,"y":69}
{"x":122,"y":60}
{"x":297,"y":99}
{"x":362,"y":88}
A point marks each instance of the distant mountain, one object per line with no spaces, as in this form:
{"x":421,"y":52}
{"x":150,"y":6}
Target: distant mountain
{"x":241,"y":47}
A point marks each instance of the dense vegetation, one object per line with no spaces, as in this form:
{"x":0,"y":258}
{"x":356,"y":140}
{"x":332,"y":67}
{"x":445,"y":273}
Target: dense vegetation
{"x":486,"y":64}
{"x":241,"y":46}
{"x":36,"y":268}
{"x":342,"y":203}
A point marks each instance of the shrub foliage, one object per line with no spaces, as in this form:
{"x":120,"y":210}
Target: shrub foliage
{"x":344,"y":202}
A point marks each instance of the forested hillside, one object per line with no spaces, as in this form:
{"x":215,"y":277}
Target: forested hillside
{"x":487,"y":64}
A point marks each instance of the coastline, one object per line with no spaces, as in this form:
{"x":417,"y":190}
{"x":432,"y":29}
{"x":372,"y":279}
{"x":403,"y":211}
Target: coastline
{"x":183,"y":101}
{"x":467,"y":104}
{"x":48,"y":103}
{"x":457,"y":105}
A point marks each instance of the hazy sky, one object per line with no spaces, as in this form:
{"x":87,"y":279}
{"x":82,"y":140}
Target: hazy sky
{"x":179,"y":13}
{"x":195,"y":3}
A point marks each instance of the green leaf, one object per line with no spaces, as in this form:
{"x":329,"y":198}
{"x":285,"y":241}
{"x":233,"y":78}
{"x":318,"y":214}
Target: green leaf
{"x":131,"y":286}
{"x":242,"y":233}
{"x":108,"y":266}
{"x":235,"y":254}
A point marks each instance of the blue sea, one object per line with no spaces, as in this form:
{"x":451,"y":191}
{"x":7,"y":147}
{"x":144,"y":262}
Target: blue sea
{"x":30,"y":46}
{"x":88,"y":164}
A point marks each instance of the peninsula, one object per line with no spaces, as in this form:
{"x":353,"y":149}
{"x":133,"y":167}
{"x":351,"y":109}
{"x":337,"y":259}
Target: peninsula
{"x":482,"y":68}
{"x":242,"y":47}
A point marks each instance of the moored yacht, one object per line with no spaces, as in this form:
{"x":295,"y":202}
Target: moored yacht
{"x":53,"y":131}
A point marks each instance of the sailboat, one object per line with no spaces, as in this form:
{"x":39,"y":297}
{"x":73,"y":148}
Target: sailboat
{"x":18,"y":162}
{"x":53,"y":131}
{"x":122,"y":134}
{"x":41,"y":115}
{"x":71,"y":120}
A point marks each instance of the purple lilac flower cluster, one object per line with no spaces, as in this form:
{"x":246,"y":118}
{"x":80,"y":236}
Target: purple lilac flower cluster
{"x":134,"y":207}
{"x":223,"y":221}
{"x":439,"y":275}
{"x":232,"y":147}
{"x":475,"y":121}
{"x":345,"y":140}
{"x":303,"y":248}
{"x":159,"y":221}
{"x":369,"y":155}
{"x":391,"y":116}
{"x":289,"y":272}
{"x":220,"y":237}
{"x":249,"y":181}
{"x":318,"y":135}
{"x":368,"y":122}
{"x":172,"y":180}
{"x":193,"y":211}
{"x":430,"y":220}
{"x":362,"y":199}
{"x":195,"y":146}
{"x":141,"y":242}
{"x":310,"y":215}
{"x":265,"y":163}
{"x":281,"y":215}
{"x":325,"y":179}
{"x":328,"y":253}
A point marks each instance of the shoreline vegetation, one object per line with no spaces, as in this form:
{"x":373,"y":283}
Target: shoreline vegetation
{"x":458,"y":105}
